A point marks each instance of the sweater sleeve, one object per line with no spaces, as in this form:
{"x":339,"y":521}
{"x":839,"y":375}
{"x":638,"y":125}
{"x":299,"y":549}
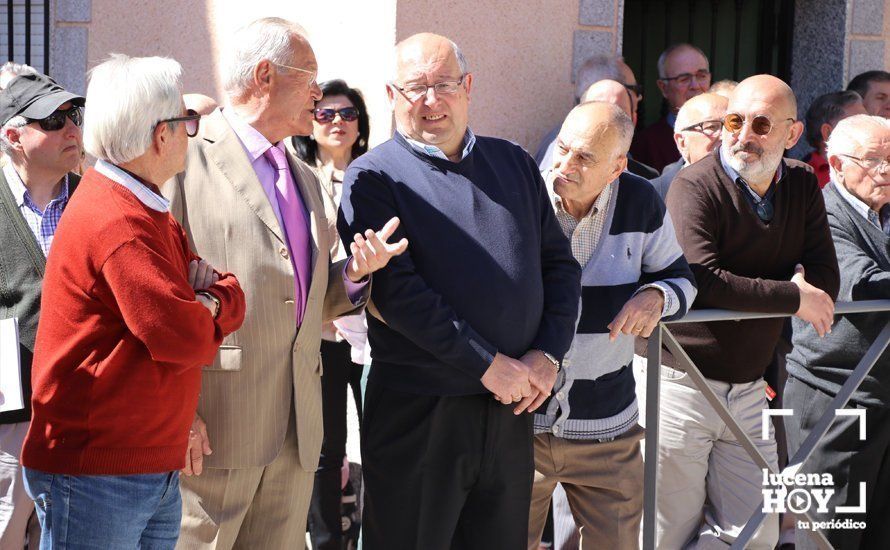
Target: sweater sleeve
{"x":401,"y":296}
{"x":819,"y":258}
{"x":665,"y":266}
{"x":561,"y":276}
{"x":696,"y":220}
{"x":158,"y":306}
{"x":228,"y":291}
{"x":863,"y":278}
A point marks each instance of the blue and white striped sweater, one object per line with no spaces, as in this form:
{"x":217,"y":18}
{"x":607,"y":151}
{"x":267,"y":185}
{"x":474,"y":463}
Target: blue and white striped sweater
{"x":594,"y":394}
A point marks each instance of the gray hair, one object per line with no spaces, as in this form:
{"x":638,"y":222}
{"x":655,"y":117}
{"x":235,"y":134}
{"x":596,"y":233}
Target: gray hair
{"x":596,"y":68}
{"x":269,"y":38}
{"x":10,"y":70}
{"x":17,"y":121}
{"x":126,"y":98}
{"x":662,"y":59}
{"x":850,"y":133}
{"x":618,"y":122}
{"x":458,"y":54}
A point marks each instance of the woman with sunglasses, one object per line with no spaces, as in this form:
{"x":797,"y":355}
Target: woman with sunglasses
{"x":339,"y":136}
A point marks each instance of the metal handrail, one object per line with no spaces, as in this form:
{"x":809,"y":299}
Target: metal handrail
{"x":653,"y":413}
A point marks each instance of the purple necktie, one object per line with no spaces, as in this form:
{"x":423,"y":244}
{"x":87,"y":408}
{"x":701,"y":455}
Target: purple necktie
{"x":296,"y":229}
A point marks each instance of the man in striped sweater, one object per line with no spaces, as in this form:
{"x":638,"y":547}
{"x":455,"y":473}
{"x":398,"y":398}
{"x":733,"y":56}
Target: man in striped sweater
{"x":633,"y":275}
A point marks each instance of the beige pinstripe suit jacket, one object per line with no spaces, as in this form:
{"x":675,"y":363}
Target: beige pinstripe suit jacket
{"x":268,"y":364}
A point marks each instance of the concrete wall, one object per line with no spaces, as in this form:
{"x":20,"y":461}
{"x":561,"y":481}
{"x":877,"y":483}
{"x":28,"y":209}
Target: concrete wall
{"x":522,"y":54}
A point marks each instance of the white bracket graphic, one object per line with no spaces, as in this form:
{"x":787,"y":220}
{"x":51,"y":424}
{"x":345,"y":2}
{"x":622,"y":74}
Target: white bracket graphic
{"x":765,"y":415}
{"x":854,"y":412}
{"x":860,"y":509}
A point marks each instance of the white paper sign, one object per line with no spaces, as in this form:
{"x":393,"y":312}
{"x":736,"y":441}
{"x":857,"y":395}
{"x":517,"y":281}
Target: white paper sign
{"x":11,"y":398}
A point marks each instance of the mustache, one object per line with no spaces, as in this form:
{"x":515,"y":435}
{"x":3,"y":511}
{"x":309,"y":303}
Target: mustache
{"x":750,"y":147}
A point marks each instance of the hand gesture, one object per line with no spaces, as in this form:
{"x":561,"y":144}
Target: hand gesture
{"x":507,"y":379}
{"x":816,"y":306}
{"x":201,"y":275}
{"x":542,"y":376}
{"x":639,"y":316}
{"x":199,"y":445}
{"x":372,"y":252}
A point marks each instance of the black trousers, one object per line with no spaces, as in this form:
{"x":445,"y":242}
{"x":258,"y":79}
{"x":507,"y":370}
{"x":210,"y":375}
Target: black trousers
{"x":325,"y":525}
{"x":444,"y":472}
{"x":849,"y":461}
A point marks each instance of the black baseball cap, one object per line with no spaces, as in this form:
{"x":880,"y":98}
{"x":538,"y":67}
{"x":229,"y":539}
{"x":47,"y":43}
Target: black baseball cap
{"x":34,"y":96}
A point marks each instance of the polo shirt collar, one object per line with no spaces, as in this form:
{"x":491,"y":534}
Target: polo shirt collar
{"x":146,"y":195}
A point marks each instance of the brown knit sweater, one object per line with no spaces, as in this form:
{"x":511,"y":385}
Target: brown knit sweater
{"x":744,"y":264}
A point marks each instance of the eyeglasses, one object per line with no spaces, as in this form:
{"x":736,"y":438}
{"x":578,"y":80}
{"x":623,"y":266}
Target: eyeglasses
{"x":416,"y":91}
{"x":192,"y":122}
{"x":635,"y":89}
{"x":313,"y":74}
{"x":686,"y":79}
{"x":760,"y":124}
{"x":348,"y":114}
{"x":706,"y":127}
{"x":871,"y":165}
{"x":56,"y":121}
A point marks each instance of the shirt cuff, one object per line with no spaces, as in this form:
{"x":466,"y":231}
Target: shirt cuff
{"x":355,"y":291}
{"x":671,"y":302}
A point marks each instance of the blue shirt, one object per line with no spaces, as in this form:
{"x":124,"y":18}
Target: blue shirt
{"x":43,"y":223}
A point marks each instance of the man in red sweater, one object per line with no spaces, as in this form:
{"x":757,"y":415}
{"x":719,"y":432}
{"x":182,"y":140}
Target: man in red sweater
{"x":129,"y":317}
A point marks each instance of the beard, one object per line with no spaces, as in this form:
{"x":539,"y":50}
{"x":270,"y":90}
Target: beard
{"x":764,"y":167}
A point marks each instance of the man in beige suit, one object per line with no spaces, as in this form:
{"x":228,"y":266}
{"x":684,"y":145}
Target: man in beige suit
{"x":252,"y":208}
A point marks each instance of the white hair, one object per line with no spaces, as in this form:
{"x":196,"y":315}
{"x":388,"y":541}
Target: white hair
{"x":269,"y":38}
{"x":126,"y":98}
{"x":850,"y":134}
{"x":596,"y":68}
{"x":10,"y":70}
{"x":17,"y":121}
{"x":662,"y":59}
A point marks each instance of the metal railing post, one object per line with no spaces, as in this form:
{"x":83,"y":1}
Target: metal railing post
{"x":653,"y":416}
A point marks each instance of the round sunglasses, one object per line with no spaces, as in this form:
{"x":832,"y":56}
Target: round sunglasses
{"x":760,"y":124}
{"x":56,"y":121}
{"x":349,"y":114}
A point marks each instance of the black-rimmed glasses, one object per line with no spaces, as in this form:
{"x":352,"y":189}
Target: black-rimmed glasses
{"x":192,"y":122}
{"x":56,"y":121}
{"x":707,"y":127}
{"x":686,"y":79}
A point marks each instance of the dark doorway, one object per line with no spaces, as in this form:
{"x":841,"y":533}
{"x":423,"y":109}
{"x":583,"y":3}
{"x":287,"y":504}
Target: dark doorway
{"x":740,"y":38}
{"x":24,"y":33}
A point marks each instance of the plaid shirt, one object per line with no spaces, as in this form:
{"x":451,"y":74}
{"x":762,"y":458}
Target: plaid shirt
{"x":43,"y":224}
{"x":584,"y":236}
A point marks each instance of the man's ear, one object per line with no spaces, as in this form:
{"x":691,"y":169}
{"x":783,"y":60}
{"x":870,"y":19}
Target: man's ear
{"x":794,"y":134}
{"x":468,"y":84}
{"x":160,"y":137}
{"x":825,"y":131}
{"x":391,"y":96}
{"x":262,"y":74}
{"x":661,"y":86}
{"x":835,"y":162}
{"x":13,"y":136}
{"x":620,"y":166}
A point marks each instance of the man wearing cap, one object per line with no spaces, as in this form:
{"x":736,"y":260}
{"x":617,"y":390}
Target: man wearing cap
{"x":41,"y":137}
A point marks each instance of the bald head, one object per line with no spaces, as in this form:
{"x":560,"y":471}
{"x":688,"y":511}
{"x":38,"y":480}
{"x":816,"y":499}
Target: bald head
{"x":591,"y":152}
{"x":609,"y":91}
{"x":765,"y":89}
{"x":426,"y":49}
{"x":709,"y":106}
{"x":200,"y":103}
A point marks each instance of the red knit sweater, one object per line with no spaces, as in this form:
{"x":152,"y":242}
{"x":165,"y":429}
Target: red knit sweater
{"x":121,"y":339}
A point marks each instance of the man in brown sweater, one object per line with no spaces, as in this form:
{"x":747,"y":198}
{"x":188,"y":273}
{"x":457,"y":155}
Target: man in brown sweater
{"x":754,"y":231}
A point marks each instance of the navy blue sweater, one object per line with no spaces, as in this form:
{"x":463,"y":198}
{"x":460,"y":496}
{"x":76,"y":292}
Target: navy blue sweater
{"x":487,"y":269}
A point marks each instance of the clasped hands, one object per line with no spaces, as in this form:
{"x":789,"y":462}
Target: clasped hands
{"x":527,"y":381}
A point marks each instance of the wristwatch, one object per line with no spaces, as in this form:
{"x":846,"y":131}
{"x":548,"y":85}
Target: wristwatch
{"x":551,"y":358}
{"x":213,"y":299}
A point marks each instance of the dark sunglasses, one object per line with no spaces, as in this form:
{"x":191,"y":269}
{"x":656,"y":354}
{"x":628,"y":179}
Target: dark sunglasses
{"x":760,"y":124}
{"x":192,"y":122}
{"x":349,"y":114}
{"x":56,"y":121}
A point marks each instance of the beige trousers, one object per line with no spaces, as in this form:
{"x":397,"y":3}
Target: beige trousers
{"x":603,"y":483}
{"x":708,"y":486}
{"x":248,"y":508}
{"x":17,"y":517}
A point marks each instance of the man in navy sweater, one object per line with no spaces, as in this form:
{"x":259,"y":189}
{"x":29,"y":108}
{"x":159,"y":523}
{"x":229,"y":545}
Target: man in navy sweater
{"x":468,"y":328}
